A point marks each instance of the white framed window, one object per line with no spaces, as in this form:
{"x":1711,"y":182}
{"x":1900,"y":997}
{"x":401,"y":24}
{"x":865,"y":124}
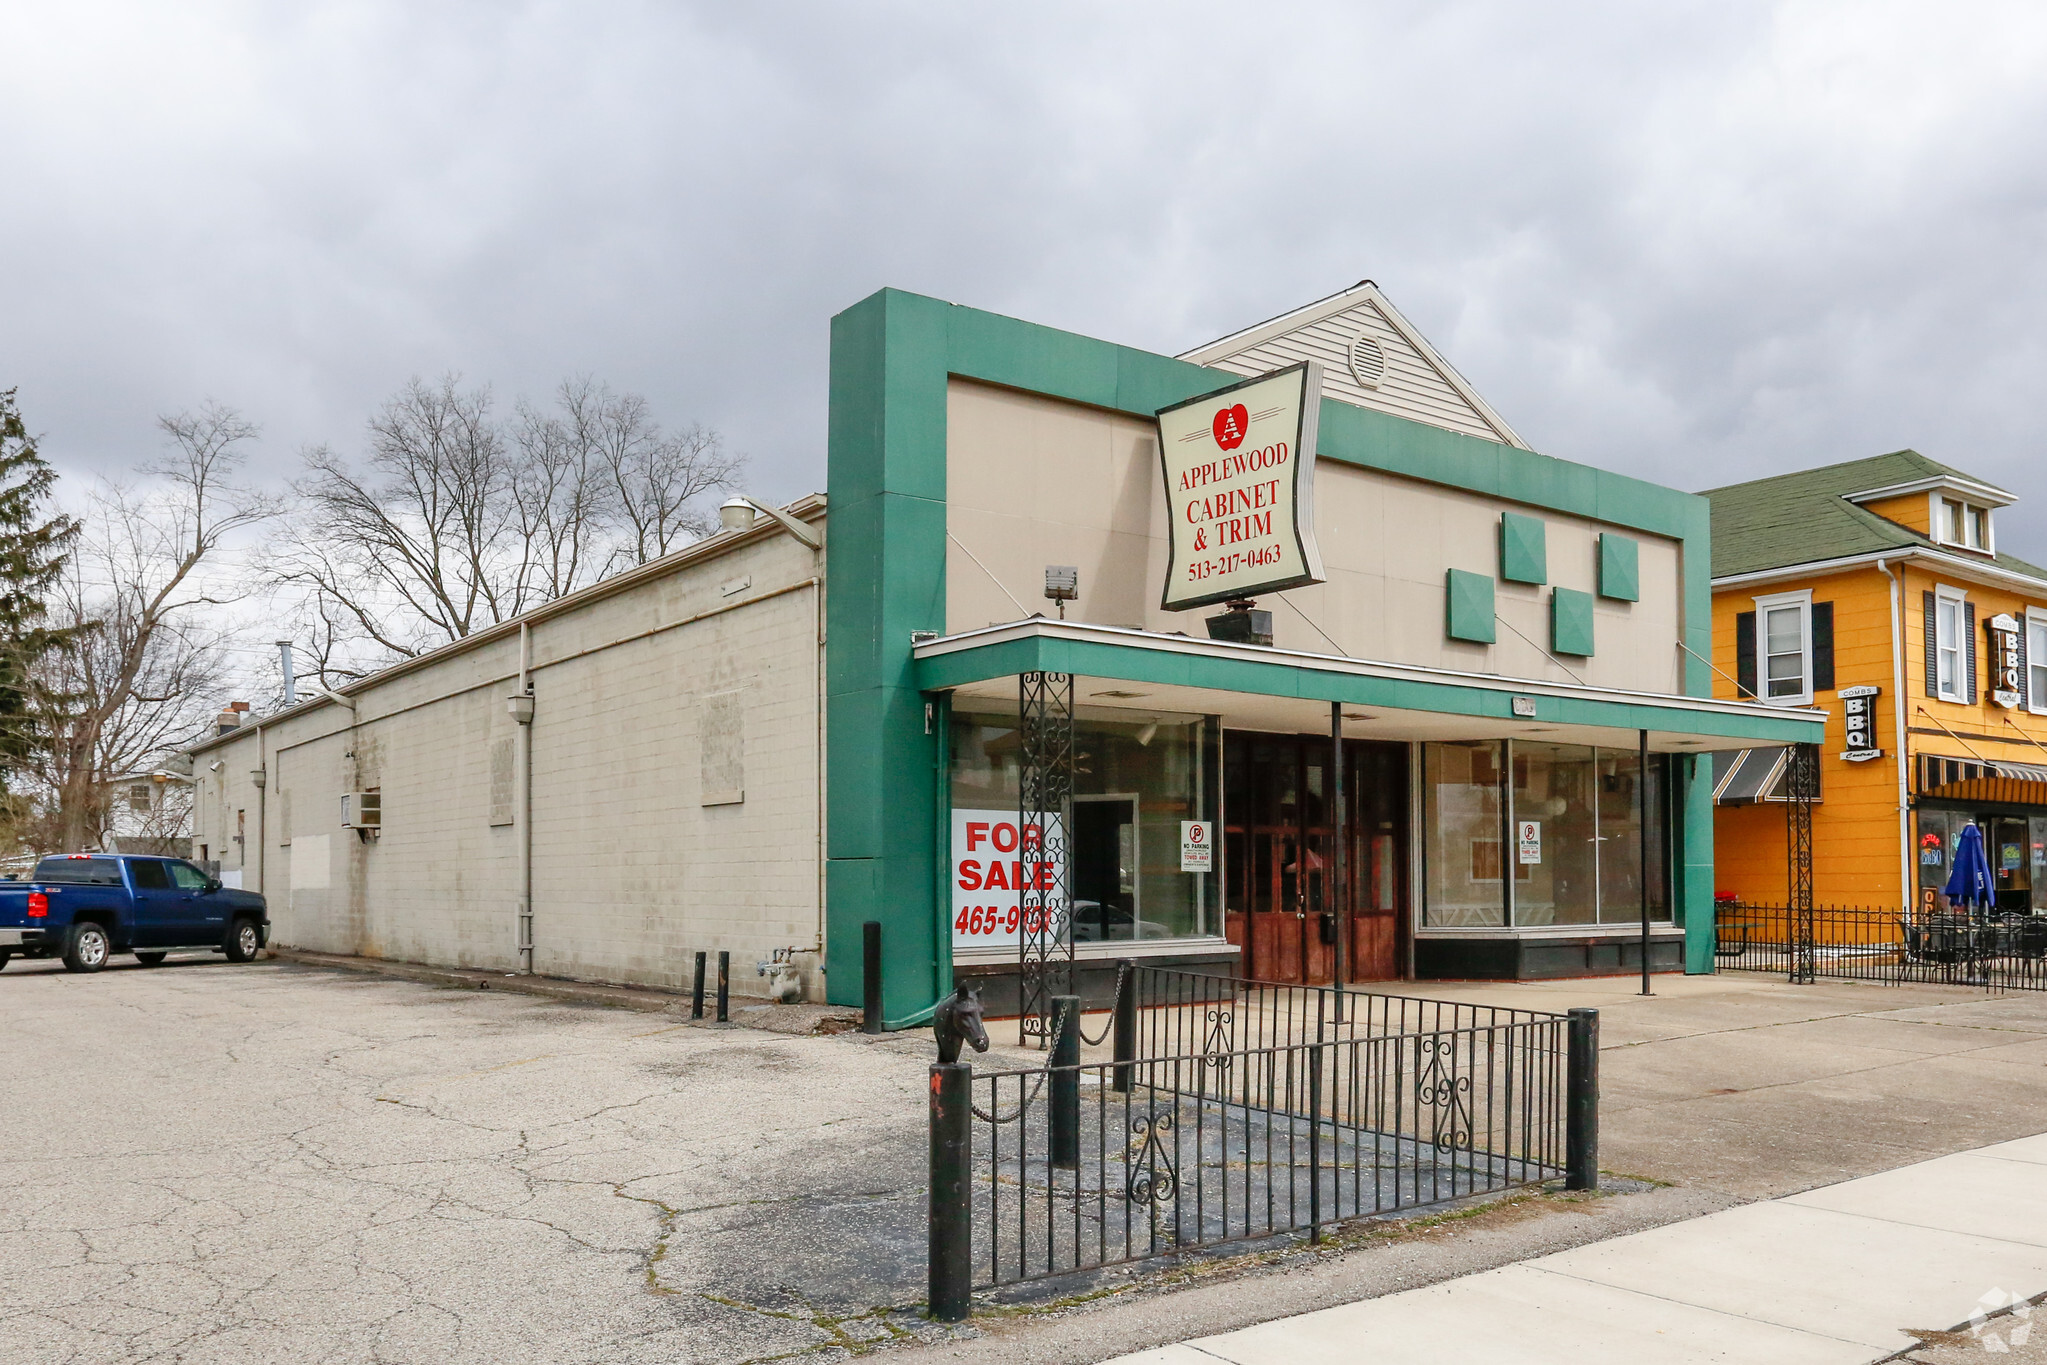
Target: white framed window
{"x":1950,"y":643}
{"x":1784,"y":648}
{"x":2036,"y":661}
{"x":1966,"y":524}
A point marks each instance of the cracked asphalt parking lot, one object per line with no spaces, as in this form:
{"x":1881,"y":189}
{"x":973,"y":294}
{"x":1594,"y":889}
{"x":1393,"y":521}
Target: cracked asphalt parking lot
{"x":214,"y":1163}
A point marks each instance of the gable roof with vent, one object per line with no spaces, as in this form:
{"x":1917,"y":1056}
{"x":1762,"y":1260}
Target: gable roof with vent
{"x":1813,"y":516}
{"x":1371,"y":357}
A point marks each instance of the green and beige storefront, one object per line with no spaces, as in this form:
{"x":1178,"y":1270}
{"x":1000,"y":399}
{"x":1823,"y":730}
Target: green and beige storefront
{"x":1497,"y":660}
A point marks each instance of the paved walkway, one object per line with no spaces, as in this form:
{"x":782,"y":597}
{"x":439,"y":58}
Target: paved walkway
{"x":1839,"y":1275}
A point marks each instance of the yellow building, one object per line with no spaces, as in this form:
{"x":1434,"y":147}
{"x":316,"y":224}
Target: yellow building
{"x":1874,"y":590}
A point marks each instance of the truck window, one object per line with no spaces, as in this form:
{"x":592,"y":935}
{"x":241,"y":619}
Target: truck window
{"x":149,"y":875}
{"x":79,"y":871}
{"x":188,"y":877}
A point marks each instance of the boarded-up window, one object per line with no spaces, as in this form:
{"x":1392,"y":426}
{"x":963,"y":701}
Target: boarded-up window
{"x":501,"y":781}
{"x":721,"y":737}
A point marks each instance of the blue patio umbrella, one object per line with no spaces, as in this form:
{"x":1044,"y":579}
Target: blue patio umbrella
{"x":1970,"y":883}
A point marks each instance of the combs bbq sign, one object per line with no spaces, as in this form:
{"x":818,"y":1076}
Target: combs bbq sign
{"x":1239,"y":468}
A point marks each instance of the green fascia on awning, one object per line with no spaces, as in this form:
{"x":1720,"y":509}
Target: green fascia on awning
{"x":1168,"y":660}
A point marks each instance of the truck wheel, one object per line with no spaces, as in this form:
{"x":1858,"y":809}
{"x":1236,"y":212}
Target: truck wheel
{"x":151,"y":959}
{"x":244,"y":942}
{"x":86,"y":947}
{"x":5,"y":954}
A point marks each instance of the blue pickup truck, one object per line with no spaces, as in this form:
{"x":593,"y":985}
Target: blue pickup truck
{"x":86,"y":907}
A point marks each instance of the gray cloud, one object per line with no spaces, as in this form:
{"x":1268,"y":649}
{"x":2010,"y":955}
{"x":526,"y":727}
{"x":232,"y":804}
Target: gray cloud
{"x":1697,"y":242}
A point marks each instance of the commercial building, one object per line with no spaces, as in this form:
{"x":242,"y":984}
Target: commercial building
{"x":1461,"y":731}
{"x":1875,"y":591}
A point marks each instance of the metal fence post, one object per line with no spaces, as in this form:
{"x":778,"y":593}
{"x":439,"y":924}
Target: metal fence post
{"x":1065,"y":1082}
{"x":951,"y":1269}
{"x":724,"y":986}
{"x":870,"y":977}
{"x":1581,"y":1102}
{"x":1125,"y":1048}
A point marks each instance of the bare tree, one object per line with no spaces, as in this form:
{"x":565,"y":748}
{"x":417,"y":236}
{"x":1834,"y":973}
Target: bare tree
{"x":456,"y":522}
{"x":146,"y":660}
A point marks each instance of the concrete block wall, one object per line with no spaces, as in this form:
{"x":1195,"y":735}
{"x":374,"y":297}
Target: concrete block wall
{"x":632,"y":873}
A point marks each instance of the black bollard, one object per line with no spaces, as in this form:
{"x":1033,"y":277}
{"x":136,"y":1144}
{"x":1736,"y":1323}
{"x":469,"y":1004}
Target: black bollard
{"x":950,"y":1275}
{"x":1064,"y":1082}
{"x":696,"y":991}
{"x":1581,"y":1103}
{"x":870,"y":977}
{"x":724,"y":987}
{"x":1125,"y":1046}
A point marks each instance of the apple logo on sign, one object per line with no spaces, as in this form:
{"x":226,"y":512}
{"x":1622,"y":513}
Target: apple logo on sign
{"x":1231,"y":424}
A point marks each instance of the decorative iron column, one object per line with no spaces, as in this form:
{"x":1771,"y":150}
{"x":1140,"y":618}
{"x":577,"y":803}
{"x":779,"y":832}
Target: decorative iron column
{"x":1804,"y":781}
{"x":1044,"y":803}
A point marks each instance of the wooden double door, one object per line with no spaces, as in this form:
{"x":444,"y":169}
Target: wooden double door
{"x":1279,"y":857}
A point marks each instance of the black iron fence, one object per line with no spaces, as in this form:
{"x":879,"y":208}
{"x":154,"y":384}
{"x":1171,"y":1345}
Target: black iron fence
{"x":1992,"y":950}
{"x":1234,"y":1111}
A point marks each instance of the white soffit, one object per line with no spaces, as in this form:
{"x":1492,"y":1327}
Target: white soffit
{"x":1397,"y":371}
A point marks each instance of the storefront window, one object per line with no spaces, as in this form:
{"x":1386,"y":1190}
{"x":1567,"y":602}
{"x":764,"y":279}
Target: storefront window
{"x":1463,"y":825}
{"x":1556,"y":834}
{"x":1620,"y":837}
{"x":1137,"y":777}
{"x":2038,"y":830}
{"x":1572,"y":828}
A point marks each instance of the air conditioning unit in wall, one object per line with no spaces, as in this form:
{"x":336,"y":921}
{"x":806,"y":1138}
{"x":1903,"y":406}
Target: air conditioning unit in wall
{"x":362,"y":810}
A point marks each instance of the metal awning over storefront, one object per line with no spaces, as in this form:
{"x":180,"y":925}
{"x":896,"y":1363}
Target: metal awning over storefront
{"x":1289,"y":691}
{"x":1749,"y":777}
{"x":1981,"y":780}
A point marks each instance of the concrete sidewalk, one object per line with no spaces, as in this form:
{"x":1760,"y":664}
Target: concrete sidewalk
{"x":1840,"y":1275}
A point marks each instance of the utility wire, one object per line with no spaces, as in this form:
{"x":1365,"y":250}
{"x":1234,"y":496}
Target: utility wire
{"x":1318,"y":630}
{"x":1539,"y":649}
{"x":1021,"y":613}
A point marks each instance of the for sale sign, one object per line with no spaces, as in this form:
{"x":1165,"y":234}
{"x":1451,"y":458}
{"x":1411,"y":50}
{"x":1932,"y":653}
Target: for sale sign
{"x":993,"y":861}
{"x":1239,"y":467}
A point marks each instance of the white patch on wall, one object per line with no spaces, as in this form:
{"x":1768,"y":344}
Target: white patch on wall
{"x":231,"y":878}
{"x":721,"y":740}
{"x":309,"y":859}
{"x":501,"y":772}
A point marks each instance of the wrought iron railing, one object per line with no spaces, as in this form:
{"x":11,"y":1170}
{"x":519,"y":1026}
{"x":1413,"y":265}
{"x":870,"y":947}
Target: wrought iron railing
{"x":1993,"y":950}
{"x":1203,"y":1130}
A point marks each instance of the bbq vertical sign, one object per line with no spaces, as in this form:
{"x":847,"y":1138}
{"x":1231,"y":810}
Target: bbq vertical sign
{"x":1239,"y":467}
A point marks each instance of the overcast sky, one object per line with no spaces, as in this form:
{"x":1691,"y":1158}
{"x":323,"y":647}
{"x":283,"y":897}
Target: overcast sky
{"x":1693,"y":242}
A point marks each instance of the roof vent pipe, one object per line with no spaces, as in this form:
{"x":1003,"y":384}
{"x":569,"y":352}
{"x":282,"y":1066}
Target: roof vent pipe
{"x":737,"y":514}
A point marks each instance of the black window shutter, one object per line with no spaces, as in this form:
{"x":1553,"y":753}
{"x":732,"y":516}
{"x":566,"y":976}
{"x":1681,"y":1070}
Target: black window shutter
{"x":1823,"y":646}
{"x":1969,"y":634}
{"x":2025,"y":669}
{"x":1932,"y":648}
{"x":1745,"y":653}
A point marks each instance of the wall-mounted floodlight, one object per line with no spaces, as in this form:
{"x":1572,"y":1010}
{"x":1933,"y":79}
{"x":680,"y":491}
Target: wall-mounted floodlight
{"x":1062,"y":585}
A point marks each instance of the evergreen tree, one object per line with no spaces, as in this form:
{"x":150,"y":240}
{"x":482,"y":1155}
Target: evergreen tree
{"x":33,"y":551}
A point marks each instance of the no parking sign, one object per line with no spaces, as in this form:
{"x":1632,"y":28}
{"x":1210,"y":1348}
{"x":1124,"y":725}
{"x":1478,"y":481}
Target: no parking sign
{"x":1197,"y":845}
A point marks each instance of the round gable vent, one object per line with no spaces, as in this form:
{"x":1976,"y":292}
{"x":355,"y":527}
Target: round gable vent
{"x":1367,"y":362}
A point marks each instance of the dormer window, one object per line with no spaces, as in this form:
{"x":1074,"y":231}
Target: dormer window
{"x":1965,"y":524}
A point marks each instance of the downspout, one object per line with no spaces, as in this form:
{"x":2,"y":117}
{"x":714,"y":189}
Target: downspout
{"x":261,"y":777}
{"x":1905,"y":880}
{"x":521,"y":707}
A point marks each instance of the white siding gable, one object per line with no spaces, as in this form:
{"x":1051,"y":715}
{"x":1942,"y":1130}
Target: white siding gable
{"x":1416,"y":383}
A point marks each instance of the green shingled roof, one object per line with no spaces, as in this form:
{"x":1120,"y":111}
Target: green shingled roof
{"x":1803,"y":517}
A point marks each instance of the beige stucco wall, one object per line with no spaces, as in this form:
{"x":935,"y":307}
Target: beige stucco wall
{"x":632,"y":874}
{"x":1033,"y":481}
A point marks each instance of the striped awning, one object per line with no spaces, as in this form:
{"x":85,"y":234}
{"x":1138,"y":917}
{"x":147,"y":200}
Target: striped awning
{"x":1977,"y":779}
{"x":1748,"y":777}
